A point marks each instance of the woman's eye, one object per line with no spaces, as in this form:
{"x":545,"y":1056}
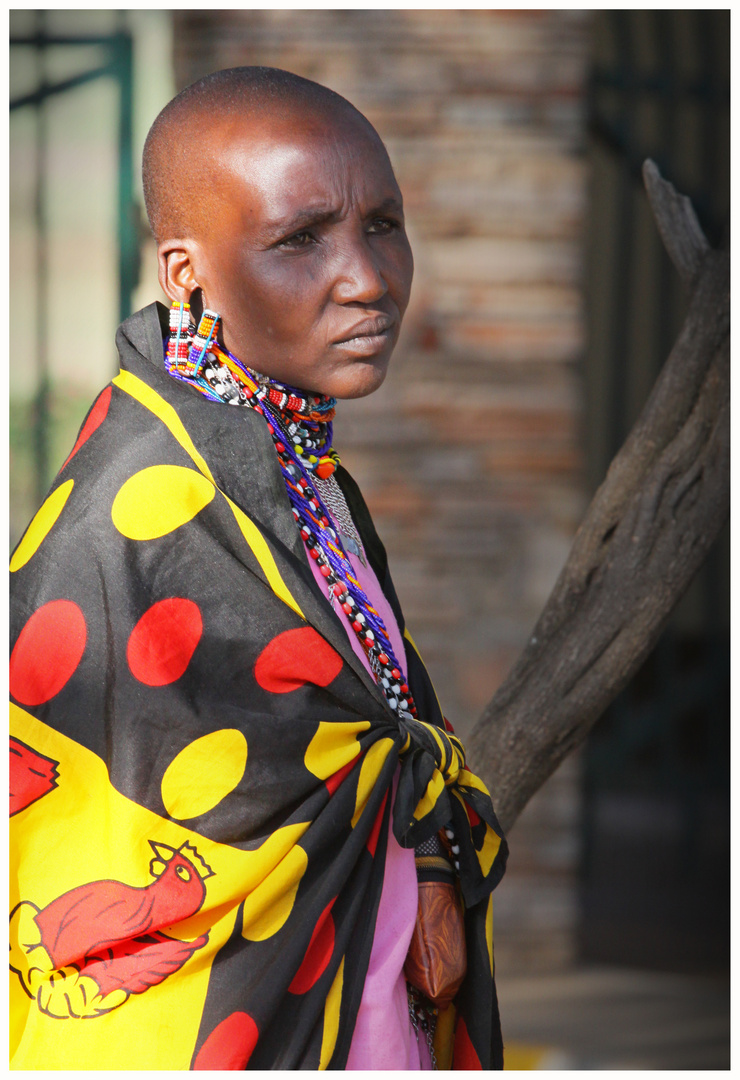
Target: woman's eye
{"x":299,"y":239}
{"x":383,"y":225}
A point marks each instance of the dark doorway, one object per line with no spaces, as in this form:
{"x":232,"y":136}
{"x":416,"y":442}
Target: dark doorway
{"x":655,"y":870}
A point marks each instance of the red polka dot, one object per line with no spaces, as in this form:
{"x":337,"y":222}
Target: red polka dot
{"x":230,"y":1044}
{"x":372,"y":840}
{"x":47,"y":652}
{"x":472,"y":816}
{"x":294,"y":658}
{"x":95,"y":418}
{"x":464,"y":1056}
{"x":163,"y":641}
{"x":333,"y":782}
{"x":318,"y":954}
{"x":448,"y":725}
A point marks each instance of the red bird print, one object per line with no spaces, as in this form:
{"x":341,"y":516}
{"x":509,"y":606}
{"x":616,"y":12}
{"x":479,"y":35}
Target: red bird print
{"x":106,"y":936}
{"x":32,"y":775}
{"x":104,"y":913}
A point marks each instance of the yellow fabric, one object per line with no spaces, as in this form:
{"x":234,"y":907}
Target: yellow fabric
{"x":114,"y":835}
{"x":372,"y":763}
{"x":41,"y":525}
{"x":203,"y":773}
{"x":333,"y":746}
{"x":158,"y":500}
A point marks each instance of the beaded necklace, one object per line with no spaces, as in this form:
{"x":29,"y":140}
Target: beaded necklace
{"x":301,"y":428}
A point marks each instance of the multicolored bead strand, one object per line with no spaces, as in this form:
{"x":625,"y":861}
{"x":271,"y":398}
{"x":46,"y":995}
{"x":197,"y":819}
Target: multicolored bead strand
{"x":325,"y":547}
{"x":301,"y":430}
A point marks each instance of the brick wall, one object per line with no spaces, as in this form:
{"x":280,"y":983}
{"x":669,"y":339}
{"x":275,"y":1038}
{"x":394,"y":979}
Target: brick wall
{"x":469,"y":455}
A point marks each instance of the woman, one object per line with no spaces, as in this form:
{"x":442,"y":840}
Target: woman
{"x":209,"y":658}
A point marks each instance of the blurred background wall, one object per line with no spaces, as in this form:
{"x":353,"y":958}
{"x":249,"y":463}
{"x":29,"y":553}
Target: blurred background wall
{"x":543,"y":306}
{"x":85,"y":86}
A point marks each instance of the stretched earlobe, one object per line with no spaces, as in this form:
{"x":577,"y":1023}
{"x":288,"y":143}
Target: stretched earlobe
{"x":197,"y":303}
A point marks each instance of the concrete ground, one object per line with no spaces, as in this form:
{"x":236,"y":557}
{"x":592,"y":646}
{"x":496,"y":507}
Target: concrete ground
{"x":612,"y":1018}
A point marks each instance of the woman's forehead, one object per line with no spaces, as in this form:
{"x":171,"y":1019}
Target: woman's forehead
{"x":282,"y":169}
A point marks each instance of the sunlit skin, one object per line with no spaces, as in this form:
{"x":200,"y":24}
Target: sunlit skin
{"x":303,"y":252}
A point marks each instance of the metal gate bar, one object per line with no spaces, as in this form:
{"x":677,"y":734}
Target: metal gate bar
{"x":118,"y":65}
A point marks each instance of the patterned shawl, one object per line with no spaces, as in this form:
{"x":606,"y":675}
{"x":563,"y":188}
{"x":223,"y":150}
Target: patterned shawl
{"x":201,"y":766}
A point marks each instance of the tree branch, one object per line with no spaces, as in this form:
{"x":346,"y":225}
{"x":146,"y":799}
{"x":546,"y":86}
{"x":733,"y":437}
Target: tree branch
{"x":644,"y":536}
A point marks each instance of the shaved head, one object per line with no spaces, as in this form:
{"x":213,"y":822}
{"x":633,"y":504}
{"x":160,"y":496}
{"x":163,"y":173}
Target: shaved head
{"x":274,"y":203}
{"x":181,"y":171}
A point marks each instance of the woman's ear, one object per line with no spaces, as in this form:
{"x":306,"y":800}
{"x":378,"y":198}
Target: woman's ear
{"x":176,"y":273}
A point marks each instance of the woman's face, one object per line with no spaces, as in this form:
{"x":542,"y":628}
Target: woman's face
{"x":304,"y":253}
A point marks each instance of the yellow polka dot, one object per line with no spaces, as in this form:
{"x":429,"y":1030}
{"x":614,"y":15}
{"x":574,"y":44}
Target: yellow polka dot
{"x":203,"y":773}
{"x":369,"y":772}
{"x":267,"y":907}
{"x":41,"y":525}
{"x":158,"y":500}
{"x":333,"y":746}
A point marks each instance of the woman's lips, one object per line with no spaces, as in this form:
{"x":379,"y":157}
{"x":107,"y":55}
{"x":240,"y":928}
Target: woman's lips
{"x":365,"y":344}
{"x":367,"y":337}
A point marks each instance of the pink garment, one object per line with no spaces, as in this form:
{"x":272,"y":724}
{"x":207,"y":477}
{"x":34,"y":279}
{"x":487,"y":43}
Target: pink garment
{"x":383,"y":1037}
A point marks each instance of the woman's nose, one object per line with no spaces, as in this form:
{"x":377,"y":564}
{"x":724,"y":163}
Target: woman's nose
{"x":358,"y":276}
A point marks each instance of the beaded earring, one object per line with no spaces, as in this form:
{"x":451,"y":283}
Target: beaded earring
{"x":204,"y":336}
{"x":187,"y":347}
{"x":181,"y":335}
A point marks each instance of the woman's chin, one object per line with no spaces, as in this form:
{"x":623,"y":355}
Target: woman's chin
{"x":343,"y":378}
{"x":358,"y":379}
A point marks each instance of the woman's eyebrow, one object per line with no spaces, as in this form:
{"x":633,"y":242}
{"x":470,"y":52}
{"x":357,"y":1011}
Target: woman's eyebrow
{"x":392,"y":203}
{"x":318,"y":215}
{"x":301,"y":219}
